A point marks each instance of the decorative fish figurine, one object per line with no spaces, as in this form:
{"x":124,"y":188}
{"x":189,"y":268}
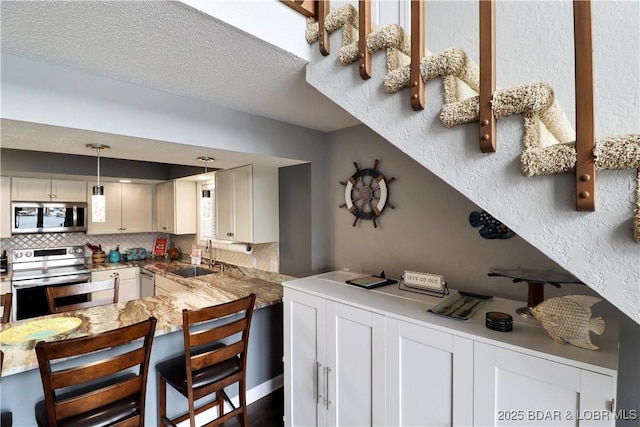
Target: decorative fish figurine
{"x":568,"y":319}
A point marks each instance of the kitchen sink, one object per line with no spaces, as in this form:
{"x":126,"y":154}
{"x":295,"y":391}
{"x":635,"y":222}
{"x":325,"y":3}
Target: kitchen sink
{"x":192,"y":271}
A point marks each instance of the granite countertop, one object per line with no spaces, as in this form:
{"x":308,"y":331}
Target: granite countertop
{"x":203,"y":291}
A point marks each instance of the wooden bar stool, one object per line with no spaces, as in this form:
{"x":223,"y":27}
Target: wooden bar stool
{"x":5,"y":302}
{"x":207,"y":365}
{"x":100,"y":393}
{"x":108,"y":294}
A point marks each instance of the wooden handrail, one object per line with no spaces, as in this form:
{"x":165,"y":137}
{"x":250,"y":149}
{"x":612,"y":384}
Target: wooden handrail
{"x":305,"y":7}
{"x":585,"y":126}
{"x":364,"y":9}
{"x":487,"y":75}
{"x":323,"y":35}
{"x":417,"y":51}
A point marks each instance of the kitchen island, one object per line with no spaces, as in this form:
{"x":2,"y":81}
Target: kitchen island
{"x":21,"y":387}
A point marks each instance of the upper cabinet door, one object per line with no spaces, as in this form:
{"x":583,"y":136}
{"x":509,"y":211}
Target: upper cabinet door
{"x":247,"y":204}
{"x":243,"y":204}
{"x":46,"y":190}
{"x":224,"y":205}
{"x":5,"y":206}
{"x":176,"y":204}
{"x":137,"y":208}
{"x":30,"y":189}
{"x":68,"y":191}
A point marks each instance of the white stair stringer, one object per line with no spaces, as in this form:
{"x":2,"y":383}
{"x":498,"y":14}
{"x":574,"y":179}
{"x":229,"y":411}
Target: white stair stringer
{"x":595,"y":247}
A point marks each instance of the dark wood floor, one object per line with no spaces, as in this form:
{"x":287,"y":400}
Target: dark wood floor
{"x":266,"y":412}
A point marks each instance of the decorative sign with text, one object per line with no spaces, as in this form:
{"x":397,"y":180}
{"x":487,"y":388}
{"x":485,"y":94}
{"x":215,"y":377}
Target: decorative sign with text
{"x":416,"y":281}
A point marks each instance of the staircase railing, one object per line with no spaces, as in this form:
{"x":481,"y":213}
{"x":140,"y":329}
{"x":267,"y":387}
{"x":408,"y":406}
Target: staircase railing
{"x":585,"y":132}
{"x":487,"y":75}
{"x":585,"y":167}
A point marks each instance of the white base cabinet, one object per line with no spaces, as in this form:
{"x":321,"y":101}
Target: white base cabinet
{"x":429,"y":376}
{"x":164,"y":286}
{"x":516,"y":389}
{"x":356,"y":357}
{"x":335,"y":363}
{"x":128,"y":288}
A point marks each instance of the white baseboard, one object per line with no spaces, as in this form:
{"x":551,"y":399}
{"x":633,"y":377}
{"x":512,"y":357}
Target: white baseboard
{"x":253,"y":394}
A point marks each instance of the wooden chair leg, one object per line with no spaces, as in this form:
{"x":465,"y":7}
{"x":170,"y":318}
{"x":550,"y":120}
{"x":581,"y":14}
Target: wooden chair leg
{"x":242,"y":394}
{"x":162,"y":400}
{"x":220,"y":399}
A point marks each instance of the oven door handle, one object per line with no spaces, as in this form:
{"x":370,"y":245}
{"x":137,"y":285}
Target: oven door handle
{"x":49,"y":281}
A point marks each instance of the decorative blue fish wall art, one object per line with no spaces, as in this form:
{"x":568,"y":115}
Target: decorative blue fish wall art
{"x":490,"y":228}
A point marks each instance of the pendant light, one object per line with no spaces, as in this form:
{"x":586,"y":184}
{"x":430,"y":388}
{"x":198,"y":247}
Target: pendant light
{"x":98,"y":202}
{"x":206,"y":203}
{"x":204,"y":159}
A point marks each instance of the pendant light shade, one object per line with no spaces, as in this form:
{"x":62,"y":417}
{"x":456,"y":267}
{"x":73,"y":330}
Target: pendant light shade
{"x":207,"y":204}
{"x":98,"y":201}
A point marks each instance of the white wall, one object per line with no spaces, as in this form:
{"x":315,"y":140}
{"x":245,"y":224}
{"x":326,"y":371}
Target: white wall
{"x":597,"y":247}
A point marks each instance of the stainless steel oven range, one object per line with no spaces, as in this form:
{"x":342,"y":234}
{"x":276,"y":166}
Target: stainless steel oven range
{"x":35,"y":269}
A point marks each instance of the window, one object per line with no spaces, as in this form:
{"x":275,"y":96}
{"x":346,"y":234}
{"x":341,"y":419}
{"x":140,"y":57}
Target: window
{"x":206,"y":212}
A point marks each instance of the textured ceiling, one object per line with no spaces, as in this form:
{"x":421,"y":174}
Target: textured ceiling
{"x":173,"y":48}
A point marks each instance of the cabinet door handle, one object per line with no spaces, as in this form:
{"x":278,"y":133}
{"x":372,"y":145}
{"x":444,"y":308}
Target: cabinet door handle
{"x":115,"y":275}
{"x":326,"y":383}
{"x":318,"y":395}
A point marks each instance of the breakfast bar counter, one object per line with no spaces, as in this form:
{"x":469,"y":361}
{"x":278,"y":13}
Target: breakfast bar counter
{"x":21,"y":386}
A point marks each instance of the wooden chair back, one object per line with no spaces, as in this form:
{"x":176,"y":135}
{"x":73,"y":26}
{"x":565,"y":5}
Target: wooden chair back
{"x":195,"y":360}
{"x":110,"y":387}
{"x":108,"y":287}
{"x":235,"y":334}
{"x":5,"y":302}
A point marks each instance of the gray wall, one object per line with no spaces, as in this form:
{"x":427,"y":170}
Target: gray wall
{"x":13,"y":162}
{"x":295,"y":220}
{"x":429,"y":229}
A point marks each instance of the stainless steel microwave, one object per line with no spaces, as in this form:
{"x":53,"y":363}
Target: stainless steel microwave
{"x":44,"y":217}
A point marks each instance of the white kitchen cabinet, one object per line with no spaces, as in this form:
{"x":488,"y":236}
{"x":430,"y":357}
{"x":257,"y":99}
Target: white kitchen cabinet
{"x":129,"y":209}
{"x":429,"y":376}
{"x":5,"y":206}
{"x":247,"y":204}
{"x":128,"y":288}
{"x":164,"y":286}
{"x":514,"y":389}
{"x":436,"y":371}
{"x":48,"y":190}
{"x":176,"y":207}
{"x":334,"y":363}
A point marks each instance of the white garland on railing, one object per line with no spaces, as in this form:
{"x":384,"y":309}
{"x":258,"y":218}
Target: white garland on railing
{"x":549,"y":139}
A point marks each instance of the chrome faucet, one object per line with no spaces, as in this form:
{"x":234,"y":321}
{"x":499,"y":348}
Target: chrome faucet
{"x":209,"y":249}
{"x":212,"y":262}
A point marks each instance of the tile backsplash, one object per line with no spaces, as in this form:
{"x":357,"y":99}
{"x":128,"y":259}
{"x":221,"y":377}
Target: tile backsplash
{"x":263,"y":257}
{"x":107,"y":241}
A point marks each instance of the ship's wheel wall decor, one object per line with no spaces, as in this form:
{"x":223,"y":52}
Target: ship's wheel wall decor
{"x":366,"y":194}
